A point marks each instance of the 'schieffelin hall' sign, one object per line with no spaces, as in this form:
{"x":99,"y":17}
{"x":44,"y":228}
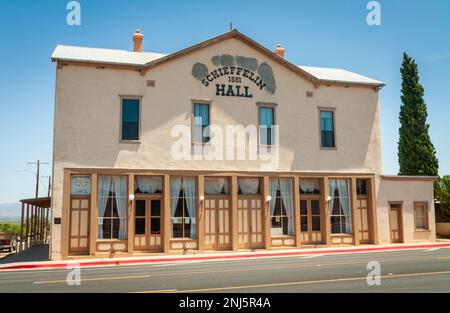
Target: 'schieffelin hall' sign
{"x":237,"y":70}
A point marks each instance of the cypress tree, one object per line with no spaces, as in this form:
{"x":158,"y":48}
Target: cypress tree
{"x":416,"y":153}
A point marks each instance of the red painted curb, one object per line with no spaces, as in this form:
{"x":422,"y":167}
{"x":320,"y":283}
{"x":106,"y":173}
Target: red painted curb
{"x":38,"y":265}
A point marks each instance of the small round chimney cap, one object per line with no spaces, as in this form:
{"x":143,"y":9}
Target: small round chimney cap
{"x":138,"y":34}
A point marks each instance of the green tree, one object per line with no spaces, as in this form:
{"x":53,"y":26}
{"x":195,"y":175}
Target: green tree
{"x":442,"y":192}
{"x":416,"y":153}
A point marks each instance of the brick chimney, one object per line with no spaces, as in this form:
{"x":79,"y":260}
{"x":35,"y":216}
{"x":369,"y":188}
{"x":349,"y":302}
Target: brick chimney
{"x":280,"y":51}
{"x":137,"y":39}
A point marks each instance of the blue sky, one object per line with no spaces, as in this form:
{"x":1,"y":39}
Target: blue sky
{"x":318,"y":33}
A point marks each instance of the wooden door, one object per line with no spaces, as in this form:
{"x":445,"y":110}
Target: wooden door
{"x":250,"y":226}
{"x":217,"y":223}
{"x":395,"y":222}
{"x":79,"y":226}
{"x":364,"y":222}
{"x":311,"y":220}
{"x":148,"y":224}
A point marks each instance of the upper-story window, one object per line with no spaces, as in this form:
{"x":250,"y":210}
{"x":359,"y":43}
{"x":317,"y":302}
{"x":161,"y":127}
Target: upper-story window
{"x":201,"y":123}
{"x":266,"y":125}
{"x":130,"y":119}
{"x":327,"y":129}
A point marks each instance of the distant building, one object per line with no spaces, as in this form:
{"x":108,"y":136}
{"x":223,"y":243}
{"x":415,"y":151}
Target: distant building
{"x":224,"y":145}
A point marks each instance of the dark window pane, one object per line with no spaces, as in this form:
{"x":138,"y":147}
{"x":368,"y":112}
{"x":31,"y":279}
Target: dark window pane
{"x":276,"y":222}
{"x":140,"y":208}
{"x":140,"y":226}
{"x":155,"y":226}
{"x":187,"y":229}
{"x":107,"y":228}
{"x":156,"y":208}
{"x":328,"y":139}
{"x":316,"y":223}
{"x":304,"y":223}
{"x":315,"y":207}
{"x":108,"y":210}
{"x":285,"y":225}
{"x":130,"y":119}
{"x":336,"y":227}
{"x":177,"y":230}
{"x":303,"y":207}
{"x":361,"y":186}
{"x":116,"y":225}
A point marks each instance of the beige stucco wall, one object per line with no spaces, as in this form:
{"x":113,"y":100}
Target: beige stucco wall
{"x":443,"y":229}
{"x":406,"y":191}
{"x":87,"y":119}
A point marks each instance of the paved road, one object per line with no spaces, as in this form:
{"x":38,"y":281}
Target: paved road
{"x":401,"y":271}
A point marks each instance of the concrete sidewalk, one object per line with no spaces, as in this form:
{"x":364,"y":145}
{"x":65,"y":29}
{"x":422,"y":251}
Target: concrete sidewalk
{"x":34,"y":254}
{"x":36,"y":264}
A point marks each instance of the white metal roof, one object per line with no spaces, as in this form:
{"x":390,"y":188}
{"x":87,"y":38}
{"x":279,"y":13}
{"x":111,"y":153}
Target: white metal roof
{"x":107,"y":56}
{"x":339,"y":75}
{"x":124,"y":57}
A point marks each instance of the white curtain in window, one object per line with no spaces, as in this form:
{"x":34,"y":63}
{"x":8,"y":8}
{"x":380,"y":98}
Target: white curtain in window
{"x":104,"y":188}
{"x":286,"y":194}
{"x":342,"y":185}
{"x":120,"y":191}
{"x":273,"y":185}
{"x":214,"y":186}
{"x":175,"y":188}
{"x":309,"y":185}
{"x":149,"y":184}
{"x":191,"y":199}
{"x":249,"y":186}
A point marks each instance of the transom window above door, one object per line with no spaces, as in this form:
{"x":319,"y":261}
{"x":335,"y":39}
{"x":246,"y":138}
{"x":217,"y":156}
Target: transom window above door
{"x":216,"y":186}
{"x":310,"y":186}
{"x":148,"y":185}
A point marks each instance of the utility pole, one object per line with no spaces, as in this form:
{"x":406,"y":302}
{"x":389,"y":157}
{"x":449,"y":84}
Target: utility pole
{"x":38,"y":165}
{"x":49,"y":185}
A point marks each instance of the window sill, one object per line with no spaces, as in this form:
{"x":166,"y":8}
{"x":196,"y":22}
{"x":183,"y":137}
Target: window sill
{"x":112,"y":240}
{"x":328,"y":148}
{"x":136,"y":142}
{"x":422,"y":230}
{"x":183,"y":239}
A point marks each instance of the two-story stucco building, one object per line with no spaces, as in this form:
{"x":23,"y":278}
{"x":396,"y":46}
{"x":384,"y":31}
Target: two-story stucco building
{"x":224,"y":145}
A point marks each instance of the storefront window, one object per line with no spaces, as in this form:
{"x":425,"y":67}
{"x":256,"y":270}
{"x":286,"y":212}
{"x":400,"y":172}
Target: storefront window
{"x":183,"y":206}
{"x":216,"y":186}
{"x":112,"y":207}
{"x":340,"y":207}
{"x":148,"y":185}
{"x":281,"y":207}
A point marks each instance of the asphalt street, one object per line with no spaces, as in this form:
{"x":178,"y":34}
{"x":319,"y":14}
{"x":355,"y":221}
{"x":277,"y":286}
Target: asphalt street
{"x":400,"y":271}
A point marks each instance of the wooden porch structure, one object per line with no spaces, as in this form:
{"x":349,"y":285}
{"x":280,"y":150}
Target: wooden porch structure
{"x":34,"y":223}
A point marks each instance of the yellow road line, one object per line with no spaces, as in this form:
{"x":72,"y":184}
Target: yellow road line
{"x":92,"y":279}
{"x":246,"y":269}
{"x":157,"y":291}
{"x":308,"y":282}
